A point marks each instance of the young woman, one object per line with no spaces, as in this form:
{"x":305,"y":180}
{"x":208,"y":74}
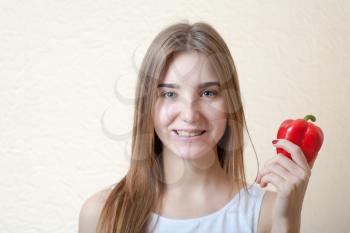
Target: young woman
{"x":186,"y":171}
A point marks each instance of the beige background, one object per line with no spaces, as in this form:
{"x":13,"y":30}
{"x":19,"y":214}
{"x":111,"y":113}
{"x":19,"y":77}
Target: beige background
{"x":67,"y":73}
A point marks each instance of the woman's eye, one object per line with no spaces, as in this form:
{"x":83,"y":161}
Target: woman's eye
{"x":171,"y":94}
{"x":209,"y":93}
{"x":168,"y":94}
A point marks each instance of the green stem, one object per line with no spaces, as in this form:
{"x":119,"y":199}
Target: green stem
{"x":310,"y":117}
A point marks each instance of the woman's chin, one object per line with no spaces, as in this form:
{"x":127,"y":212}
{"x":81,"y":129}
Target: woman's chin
{"x":190,"y":153}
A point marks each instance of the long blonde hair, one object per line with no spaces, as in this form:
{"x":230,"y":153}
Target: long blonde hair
{"x":130,"y":203}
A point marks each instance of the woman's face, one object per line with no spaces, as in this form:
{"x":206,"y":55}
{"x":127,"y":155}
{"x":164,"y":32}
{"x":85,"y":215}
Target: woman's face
{"x":190,"y":113}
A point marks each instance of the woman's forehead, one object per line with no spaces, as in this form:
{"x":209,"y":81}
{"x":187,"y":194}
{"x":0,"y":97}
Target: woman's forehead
{"x":189,"y":67}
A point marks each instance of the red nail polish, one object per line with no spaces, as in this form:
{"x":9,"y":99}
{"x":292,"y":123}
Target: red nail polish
{"x":274,"y":141}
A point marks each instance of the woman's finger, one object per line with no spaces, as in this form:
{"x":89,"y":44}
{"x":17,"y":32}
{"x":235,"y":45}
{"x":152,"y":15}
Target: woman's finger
{"x":295,"y":151}
{"x":273,"y":178}
{"x":286,"y":163}
{"x":275,"y":168}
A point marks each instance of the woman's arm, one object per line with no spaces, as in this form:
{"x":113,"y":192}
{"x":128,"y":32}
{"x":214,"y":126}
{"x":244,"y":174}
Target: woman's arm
{"x":265,"y":219}
{"x":290,"y":179}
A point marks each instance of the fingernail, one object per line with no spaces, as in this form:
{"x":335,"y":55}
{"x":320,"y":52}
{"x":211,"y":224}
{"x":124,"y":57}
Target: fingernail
{"x":274,"y":141}
{"x":256,"y":180}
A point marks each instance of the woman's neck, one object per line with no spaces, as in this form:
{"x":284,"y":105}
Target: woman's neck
{"x":197,"y":178}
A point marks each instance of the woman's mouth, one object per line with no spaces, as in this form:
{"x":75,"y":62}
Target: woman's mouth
{"x":189,"y":134}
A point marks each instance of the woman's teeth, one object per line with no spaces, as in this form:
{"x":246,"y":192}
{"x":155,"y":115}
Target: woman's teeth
{"x":189,"y":134}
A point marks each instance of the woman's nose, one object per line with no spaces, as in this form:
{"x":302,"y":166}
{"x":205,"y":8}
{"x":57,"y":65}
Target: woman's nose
{"x":189,"y":111}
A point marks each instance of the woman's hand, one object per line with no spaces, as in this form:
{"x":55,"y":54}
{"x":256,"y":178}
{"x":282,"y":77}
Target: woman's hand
{"x":290,"y":179}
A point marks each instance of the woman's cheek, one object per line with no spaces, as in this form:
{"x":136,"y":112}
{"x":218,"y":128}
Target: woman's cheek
{"x":217,"y":111}
{"x":166,"y":112}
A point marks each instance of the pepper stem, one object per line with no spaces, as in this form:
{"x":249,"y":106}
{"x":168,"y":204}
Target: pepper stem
{"x":310,"y":117}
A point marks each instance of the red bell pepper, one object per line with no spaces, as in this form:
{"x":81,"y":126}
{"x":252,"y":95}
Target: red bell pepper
{"x":305,"y":134}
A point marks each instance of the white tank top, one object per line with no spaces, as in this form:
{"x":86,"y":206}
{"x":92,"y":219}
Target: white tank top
{"x":239,"y":215}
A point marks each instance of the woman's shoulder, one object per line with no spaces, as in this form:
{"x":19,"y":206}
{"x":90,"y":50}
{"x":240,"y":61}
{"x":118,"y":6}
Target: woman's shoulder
{"x":97,"y":199}
{"x":91,"y":209}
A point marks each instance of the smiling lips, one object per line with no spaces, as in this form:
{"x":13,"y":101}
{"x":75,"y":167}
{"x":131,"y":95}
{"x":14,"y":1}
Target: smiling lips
{"x":189,"y":133}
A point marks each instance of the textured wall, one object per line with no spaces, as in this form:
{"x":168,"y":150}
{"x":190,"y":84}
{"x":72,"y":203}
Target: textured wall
{"x":59,"y":66}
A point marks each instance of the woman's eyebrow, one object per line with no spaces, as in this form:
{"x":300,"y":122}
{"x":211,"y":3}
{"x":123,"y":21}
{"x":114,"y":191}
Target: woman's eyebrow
{"x":172,"y":85}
